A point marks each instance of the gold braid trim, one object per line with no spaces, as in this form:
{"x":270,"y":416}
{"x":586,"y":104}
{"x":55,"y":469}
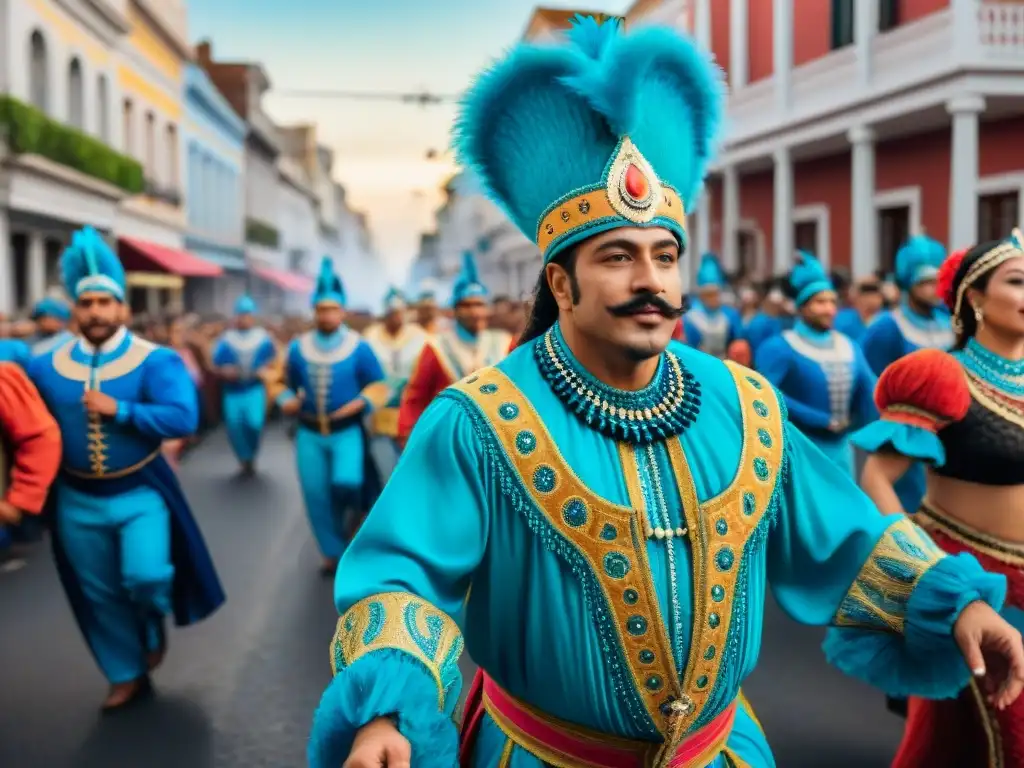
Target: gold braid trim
{"x":878,"y":597}
{"x":1006,"y":250}
{"x":400,"y":621}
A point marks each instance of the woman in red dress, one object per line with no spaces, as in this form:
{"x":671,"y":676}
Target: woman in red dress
{"x":962,"y":413}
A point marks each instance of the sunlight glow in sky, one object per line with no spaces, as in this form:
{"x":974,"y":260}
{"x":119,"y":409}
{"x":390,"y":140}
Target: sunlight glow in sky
{"x":373,"y":45}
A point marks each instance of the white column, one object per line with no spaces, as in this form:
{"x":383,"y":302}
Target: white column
{"x":730,"y":217}
{"x":6,"y":266}
{"x":703,"y":224}
{"x":864,"y":218}
{"x":36,"y":266}
{"x":783,"y":209}
{"x":865,"y":22}
{"x":782,"y":46}
{"x":702,"y":24}
{"x":963,"y":182}
{"x":739,"y":64}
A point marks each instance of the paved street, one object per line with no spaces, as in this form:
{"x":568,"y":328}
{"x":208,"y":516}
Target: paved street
{"x":238,"y":691}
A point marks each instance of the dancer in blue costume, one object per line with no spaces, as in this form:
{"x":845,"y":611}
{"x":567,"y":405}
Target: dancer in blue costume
{"x":242,"y":356}
{"x":598,"y":517}
{"x":128,"y":550}
{"x":51,"y":317}
{"x":333,"y":380}
{"x":866,"y":307}
{"x":768,"y":322}
{"x":709,"y":325}
{"x":397,"y":344}
{"x":919,"y":322}
{"x":822,"y":374}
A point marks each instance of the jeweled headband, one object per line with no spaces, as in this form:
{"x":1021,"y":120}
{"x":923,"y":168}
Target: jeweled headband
{"x":629,"y":189}
{"x":1003,"y":251}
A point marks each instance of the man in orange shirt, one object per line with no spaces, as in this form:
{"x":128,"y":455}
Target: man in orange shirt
{"x":453,"y":353}
{"x":30,"y":448}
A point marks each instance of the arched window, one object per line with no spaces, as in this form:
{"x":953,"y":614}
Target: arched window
{"x":76,"y":95}
{"x":38,"y":72}
{"x":103,"y":108}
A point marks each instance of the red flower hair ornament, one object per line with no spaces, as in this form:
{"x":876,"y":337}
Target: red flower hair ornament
{"x":947,"y":277}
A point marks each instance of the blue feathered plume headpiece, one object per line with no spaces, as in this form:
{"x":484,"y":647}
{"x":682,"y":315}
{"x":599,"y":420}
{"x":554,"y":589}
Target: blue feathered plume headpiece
{"x":468,"y":285}
{"x":918,"y":260}
{"x":607,"y":130}
{"x":394,"y":301}
{"x":245,"y":305}
{"x":710,"y":272}
{"x":51,"y":307}
{"x":89,"y":265}
{"x":329,"y":289}
{"x":808,"y":278}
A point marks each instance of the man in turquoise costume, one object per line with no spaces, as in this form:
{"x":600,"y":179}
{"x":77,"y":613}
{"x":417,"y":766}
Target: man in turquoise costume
{"x":51,"y":316}
{"x":598,"y":516}
{"x":128,"y":550}
{"x":769,"y":321}
{"x":397,"y":344}
{"x":824,"y":379}
{"x":333,"y":381}
{"x":866,"y":305}
{"x":709,"y":325}
{"x":918,"y":322}
{"x":241,"y":357}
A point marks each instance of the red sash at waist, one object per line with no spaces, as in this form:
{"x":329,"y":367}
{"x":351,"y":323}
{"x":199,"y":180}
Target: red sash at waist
{"x":565,"y":745}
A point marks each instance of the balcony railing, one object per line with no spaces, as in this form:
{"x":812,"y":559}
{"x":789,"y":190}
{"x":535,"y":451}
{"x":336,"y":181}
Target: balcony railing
{"x":26,"y":130}
{"x":1001,"y":28}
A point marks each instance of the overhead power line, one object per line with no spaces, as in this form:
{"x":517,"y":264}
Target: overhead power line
{"x":423,"y":99}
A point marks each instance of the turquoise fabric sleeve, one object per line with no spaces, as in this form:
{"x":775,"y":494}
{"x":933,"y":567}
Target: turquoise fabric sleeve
{"x":223,"y":354}
{"x":905,"y":439}
{"x":691,"y":334}
{"x":399,"y":587}
{"x":882,"y":343}
{"x":170,"y":405}
{"x":371,"y":379}
{"x":291,"y":375}
{"x":891,"y":595}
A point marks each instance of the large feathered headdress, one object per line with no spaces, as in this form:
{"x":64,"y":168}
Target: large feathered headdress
{"x":468,"y":285}
{"x":89,"y":265}
{"x":329,"y":289}
{"x":808,"y":278}
{"x":606,"y":130}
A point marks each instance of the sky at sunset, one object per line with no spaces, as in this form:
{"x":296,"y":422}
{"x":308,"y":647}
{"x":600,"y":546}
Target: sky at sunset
{"x":382,"y":46}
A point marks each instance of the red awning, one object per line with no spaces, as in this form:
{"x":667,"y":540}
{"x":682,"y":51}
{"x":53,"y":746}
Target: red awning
{"x":143,"y":256}
{"x":287,"y":281}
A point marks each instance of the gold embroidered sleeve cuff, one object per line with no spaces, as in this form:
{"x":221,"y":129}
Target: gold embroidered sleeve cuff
{"x":879,"y":596}
{"x":400,"y":621}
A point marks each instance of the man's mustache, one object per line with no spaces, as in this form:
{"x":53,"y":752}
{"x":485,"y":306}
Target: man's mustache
{"x":642,"y":302}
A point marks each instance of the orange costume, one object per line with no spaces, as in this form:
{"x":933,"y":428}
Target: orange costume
{"x":447,"y":358}
{"x":30,"y":446}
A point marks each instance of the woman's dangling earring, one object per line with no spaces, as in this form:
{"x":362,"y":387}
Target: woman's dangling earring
{"x":979,"y":316}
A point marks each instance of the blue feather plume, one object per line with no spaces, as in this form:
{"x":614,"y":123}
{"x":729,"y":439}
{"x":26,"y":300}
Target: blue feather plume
{"x":469,"y":273}
{"x":88,"y":255}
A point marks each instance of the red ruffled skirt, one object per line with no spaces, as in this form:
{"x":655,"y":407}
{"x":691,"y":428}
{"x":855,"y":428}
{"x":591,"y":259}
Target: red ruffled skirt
{"x":965,"y":732}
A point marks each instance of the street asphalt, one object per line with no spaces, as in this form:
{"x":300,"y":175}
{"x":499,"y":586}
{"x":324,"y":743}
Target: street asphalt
{"x":238,"y":691}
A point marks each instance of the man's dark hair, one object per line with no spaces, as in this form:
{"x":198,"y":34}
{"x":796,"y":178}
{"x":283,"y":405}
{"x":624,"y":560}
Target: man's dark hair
{"x":544,"y":309}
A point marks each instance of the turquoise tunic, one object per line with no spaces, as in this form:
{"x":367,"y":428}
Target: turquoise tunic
{"x":245,"y":402}
{"x":336,"y":471}
{"x":610,"y":567}
{"x":891,"y":336}
{"x":824,"y":378}
{"x":15,"y":351}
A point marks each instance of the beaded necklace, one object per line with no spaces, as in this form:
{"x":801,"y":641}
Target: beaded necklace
{"x":1005,"y":375}
{"x":664,"y":408}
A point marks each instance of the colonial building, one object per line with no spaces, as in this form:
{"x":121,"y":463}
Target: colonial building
{"x":244,"y":84}
{"x":214,"y":146}
{"x":150,"y":226}
{"x":298,"y":224}
{"x":854,"y":124}
{"x":60,"y":136}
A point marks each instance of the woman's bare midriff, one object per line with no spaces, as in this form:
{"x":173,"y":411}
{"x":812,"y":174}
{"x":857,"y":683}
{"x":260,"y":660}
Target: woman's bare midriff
{"x":997,"y":510}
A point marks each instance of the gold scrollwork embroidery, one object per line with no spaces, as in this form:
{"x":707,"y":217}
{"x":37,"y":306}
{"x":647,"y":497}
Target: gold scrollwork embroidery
{"x":719,"y":533}
{"x":877,"y":599}
{"x":606,"y":534}
{"x":403,"y":622}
